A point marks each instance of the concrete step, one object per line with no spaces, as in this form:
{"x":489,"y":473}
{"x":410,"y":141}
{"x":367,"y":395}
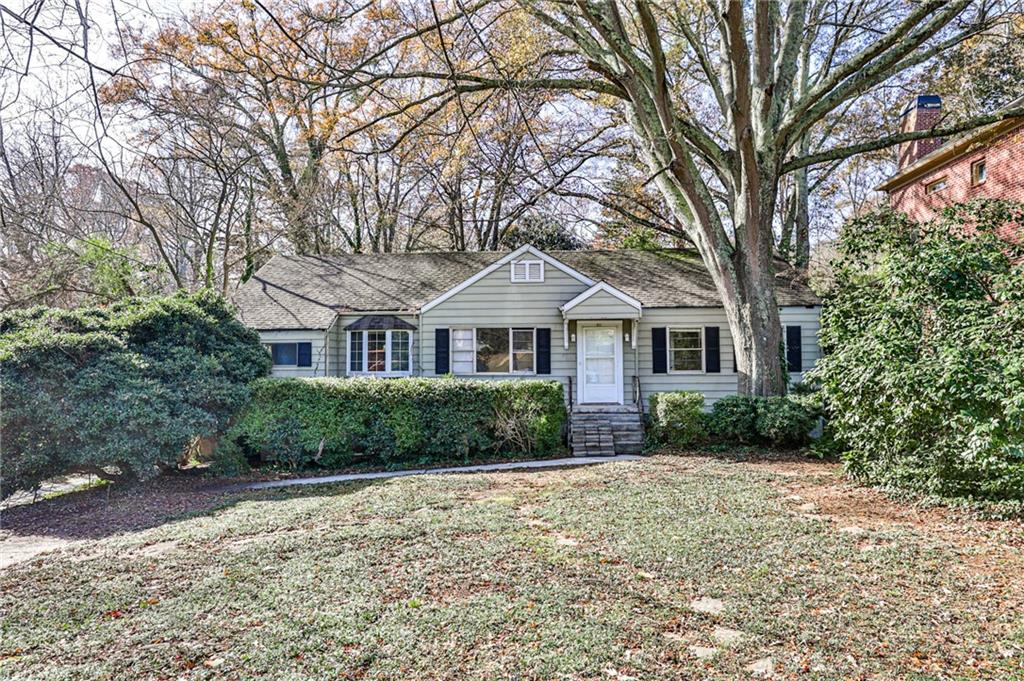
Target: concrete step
{"x":603,"y":430}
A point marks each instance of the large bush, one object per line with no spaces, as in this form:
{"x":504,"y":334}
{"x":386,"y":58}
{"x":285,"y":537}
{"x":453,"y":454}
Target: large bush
{"x":783,"y":422}
{"x":126,"y":386}
{"x":923,"y":339}
{"x":677,"y":418}
{"x":333,"y":422}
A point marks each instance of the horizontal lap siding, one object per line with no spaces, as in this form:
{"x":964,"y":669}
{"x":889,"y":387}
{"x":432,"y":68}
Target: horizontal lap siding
{"x":602,"y":305}
{"x":497,"y":302}
{"x":319,"y":350}
{"x":340,"y":354}
{"x":714,"y":386}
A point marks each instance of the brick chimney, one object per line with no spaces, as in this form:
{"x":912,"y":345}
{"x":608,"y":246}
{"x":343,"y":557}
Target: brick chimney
{"x":921,"y":113}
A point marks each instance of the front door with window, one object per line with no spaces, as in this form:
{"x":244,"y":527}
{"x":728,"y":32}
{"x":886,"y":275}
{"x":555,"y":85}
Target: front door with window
{"x":599,"y":362}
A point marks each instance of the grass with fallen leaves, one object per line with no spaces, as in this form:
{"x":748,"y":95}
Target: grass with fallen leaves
{"x":576,"y":573}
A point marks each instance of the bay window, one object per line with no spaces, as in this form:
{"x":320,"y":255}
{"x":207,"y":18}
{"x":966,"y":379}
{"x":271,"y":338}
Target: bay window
{"x":380,"y":352}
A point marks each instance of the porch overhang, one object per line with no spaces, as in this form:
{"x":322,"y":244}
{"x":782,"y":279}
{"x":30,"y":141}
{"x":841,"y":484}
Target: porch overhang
{"x":602,"y":301}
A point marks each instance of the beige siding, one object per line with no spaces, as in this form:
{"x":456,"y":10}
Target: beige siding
{"x":602,"y":305}
{"x":714,"y":385}
{"x":319,"y":349}
{"x":497,"y":302}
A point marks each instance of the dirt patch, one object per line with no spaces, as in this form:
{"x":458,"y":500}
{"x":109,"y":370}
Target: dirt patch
{"x":991,"y":548}
{"x":113,"y":509}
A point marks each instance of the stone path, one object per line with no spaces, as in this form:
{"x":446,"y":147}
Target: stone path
{"x":482,"y":468}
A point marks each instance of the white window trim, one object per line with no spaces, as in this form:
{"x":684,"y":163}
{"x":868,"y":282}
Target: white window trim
{"x":388,"y":373}
{"x":933,"y":186}
{"x":510,"y":329}
{"x":526,"y":265}
{"x":668,"y":350}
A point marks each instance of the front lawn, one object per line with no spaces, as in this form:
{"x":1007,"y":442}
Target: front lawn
{"x":597,"y":572}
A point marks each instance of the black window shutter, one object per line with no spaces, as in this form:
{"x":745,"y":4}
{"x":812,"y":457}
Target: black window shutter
{"x":712,"y":351}
{"x":659,"y":350}
{"x":440,"y":351}
{"x":304,"y":353}
{"x":734,"y":358}
{"x":794,"y":351}
{"x":543,"y":351}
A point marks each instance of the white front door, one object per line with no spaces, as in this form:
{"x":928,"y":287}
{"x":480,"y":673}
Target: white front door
{"x":599,"y":362}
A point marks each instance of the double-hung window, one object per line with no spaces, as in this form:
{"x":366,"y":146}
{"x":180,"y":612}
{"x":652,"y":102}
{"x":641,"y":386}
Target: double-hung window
{"x":494,"y":350}
{"x":380,"y":352}
{"x":685,"y":350}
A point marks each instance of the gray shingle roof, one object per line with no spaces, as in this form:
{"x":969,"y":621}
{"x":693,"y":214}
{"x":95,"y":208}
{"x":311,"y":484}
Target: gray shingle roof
{"x":306,"y":292}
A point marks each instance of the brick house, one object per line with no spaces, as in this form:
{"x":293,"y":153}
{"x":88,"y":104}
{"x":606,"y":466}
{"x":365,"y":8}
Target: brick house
{"x":932,"y":173}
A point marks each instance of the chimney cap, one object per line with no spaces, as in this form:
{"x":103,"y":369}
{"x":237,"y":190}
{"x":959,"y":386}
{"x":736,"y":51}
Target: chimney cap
{"x":923,"y":102}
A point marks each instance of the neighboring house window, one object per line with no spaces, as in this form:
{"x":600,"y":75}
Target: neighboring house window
{"x":978,"y":172}
{"x":685,"y":350}
{"x":498,"y":350}
{"x":386,"y":353}
{"x":935,"y":186}
{"x":527,"y":271}
{"x":291,"y":354}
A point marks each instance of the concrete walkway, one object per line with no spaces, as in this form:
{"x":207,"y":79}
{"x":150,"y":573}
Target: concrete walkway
{"x":483,"y":468}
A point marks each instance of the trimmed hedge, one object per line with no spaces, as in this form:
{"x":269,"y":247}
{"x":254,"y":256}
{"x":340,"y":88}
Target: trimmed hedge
{"x":677,"y":418}
{"x":334,"y":422}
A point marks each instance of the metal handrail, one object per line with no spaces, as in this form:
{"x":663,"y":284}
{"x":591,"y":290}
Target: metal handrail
{"x":570,"y":393}
{"x":638,"y":395}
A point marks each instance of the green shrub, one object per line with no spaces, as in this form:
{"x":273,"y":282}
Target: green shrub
{"x":784,"y":423}
{"x":335,"y":422}
{"x":923,"y":340}
{"x":734,"y":418}
{"x":228,"y":459}
{"x":677,"y":418}
{"x":126,"y":386}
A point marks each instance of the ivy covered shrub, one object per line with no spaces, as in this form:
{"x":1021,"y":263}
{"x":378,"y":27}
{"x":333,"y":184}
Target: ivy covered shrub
{"x":677,"y":418}
{"x":781,"y":422}
{"x":923,"y":340}
{"x":333,"y":422}
{"x":126,"y":386}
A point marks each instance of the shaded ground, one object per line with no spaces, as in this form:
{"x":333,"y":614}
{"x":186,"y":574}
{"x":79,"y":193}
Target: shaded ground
{"x":671,"y":567}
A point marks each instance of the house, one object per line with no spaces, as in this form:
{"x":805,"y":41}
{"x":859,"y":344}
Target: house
{"x":614,"y":327}
{"x":987,"y":162}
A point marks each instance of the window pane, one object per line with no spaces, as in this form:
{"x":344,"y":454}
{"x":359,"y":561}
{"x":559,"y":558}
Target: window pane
{"x":376,"y":350}
{"x":463,"y":358}
{"x":355,"y":351}
{"x":522,"y":361}
{"x":399,"y":350}
{"x":284,"y":354}
{"x":492,"y":350}
{"x":686,"y":360}
{"x":685,"y":339}
{"x":600,"y":371}
{"x":462,"y":339}
{"x":522,"y":340}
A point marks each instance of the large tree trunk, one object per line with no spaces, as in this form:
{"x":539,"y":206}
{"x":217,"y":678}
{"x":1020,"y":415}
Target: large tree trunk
{"x":742,"y":269}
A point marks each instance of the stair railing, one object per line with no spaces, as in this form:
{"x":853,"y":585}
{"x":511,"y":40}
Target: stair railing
{"x":638,"y":397}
